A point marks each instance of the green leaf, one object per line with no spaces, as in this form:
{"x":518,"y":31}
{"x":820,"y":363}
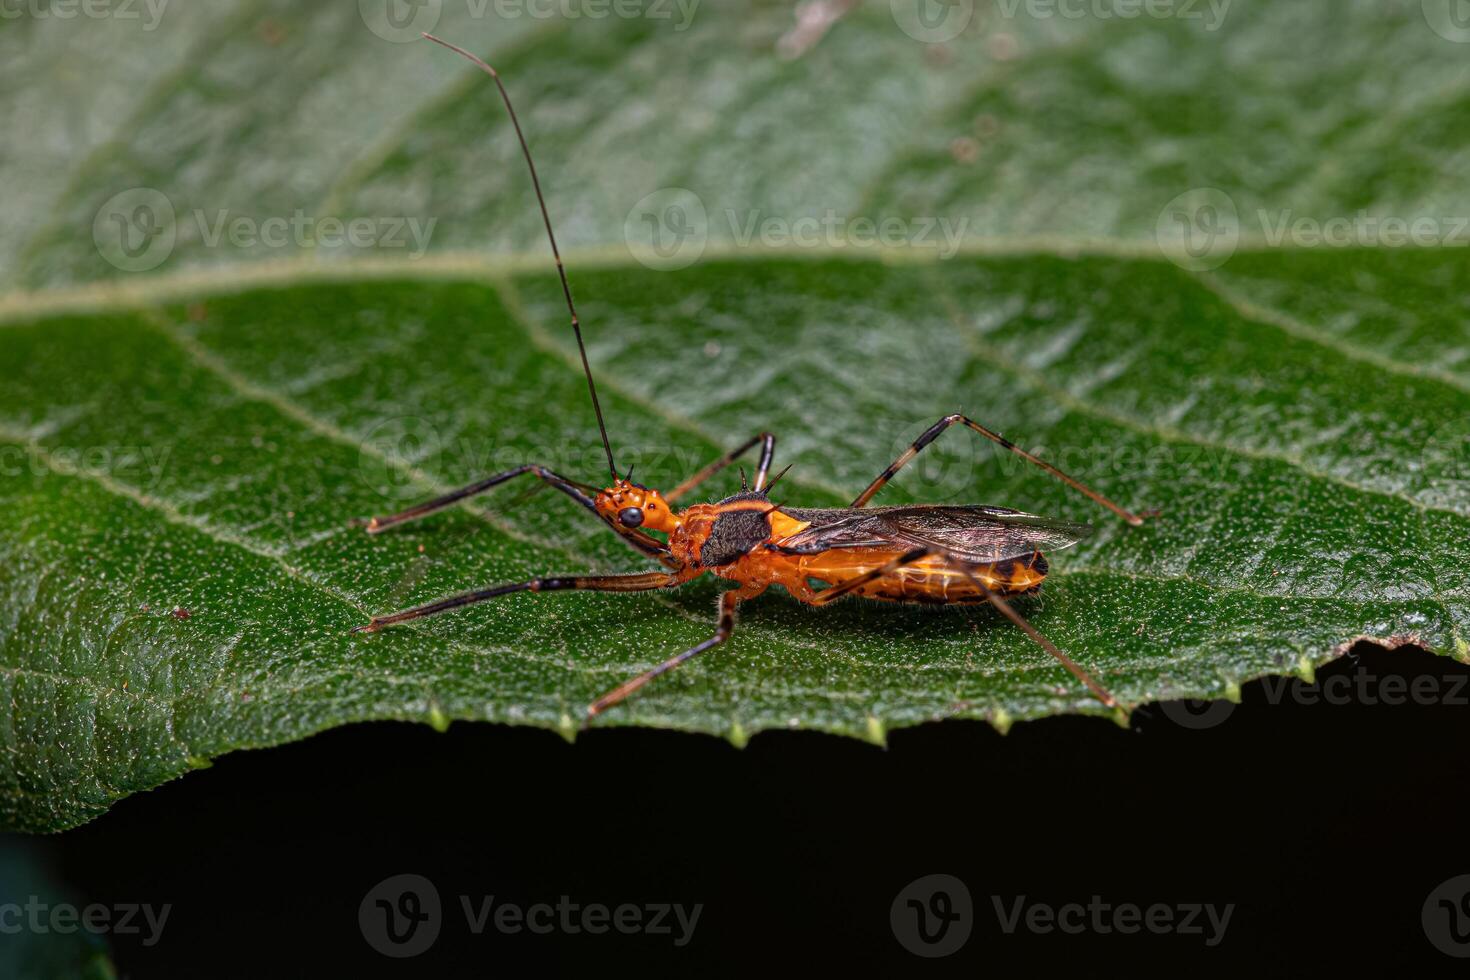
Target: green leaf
{"x":181,"y":448}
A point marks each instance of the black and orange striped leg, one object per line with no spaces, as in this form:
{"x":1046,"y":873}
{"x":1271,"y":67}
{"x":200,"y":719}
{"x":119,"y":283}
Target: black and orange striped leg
{"x":580,"y":492}
{"x":1009,"y":612}
{"x":933,"y":433}
{"x":642,"y":582}
{"x":994,"y":598}
{"x":767,"y":442}
{"x":728,"y":601}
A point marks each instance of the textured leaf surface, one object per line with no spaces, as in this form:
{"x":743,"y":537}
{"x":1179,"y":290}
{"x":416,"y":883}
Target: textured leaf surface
{"x":182,"y":450}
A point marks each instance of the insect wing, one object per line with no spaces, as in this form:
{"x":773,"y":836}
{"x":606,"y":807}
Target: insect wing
{"x":986,"y":534}
{"x":978,"y":534}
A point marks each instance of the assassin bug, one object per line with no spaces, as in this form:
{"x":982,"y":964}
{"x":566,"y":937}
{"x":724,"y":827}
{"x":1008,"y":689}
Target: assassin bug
{"x":916,"y":554}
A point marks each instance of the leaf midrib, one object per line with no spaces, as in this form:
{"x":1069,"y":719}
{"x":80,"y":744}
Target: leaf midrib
{"x":496,"y":279}
{"x":147,"y":299}
{"x":102,"y":298}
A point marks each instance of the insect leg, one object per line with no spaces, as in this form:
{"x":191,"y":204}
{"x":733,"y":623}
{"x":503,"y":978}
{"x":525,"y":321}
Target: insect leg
{"x":1006,"y":609}
{"x":933,"y":432}
{"x":1009,"y":611}
{"x":768,"y":449}
{"x":579,"y":492}
{"x":641,"y":582}
{"x":728,"y":601}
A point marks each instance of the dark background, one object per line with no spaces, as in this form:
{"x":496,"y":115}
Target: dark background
{"x":1326,"y":824}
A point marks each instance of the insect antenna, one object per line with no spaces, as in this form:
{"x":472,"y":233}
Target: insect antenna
{"x":551,"y":236}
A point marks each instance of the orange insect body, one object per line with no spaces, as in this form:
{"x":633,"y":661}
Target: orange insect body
{"x":921,"y":553}
{"x":927,"y":580}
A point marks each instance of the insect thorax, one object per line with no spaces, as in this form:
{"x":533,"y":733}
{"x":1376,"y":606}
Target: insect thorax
{"x":735,"y":533}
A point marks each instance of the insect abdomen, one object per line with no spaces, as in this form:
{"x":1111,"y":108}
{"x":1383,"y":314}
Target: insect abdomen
{"x":928,"y":580}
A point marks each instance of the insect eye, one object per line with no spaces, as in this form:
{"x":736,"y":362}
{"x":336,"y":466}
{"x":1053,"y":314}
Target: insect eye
{"x":630,"y":516}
